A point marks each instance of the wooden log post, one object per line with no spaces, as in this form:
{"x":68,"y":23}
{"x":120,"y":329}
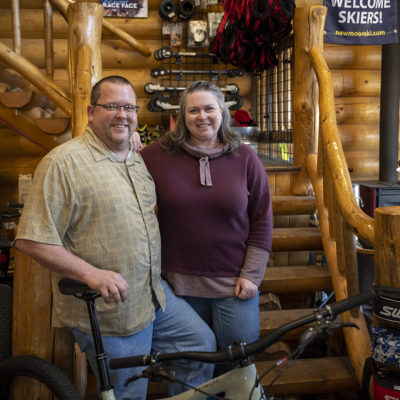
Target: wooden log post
{"x":387,"y":273}
{"x":84,"y":57}
{"x":308,"y":23}
{"x":387,"y":246}
{"x":48,"y":38}
{"x":16,"y":26}
{"x":32,"y":332}
{"x":361,"y":223}
{"x":357,"y":341}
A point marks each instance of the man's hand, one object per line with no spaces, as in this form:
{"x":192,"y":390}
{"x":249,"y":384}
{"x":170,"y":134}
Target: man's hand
{"x":136,"y":142}
{"x":111,"y":285}
{"x":245,"y":289}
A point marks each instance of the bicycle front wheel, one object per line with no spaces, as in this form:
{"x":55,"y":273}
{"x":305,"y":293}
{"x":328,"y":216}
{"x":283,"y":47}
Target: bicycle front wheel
{"x":49,"y":376}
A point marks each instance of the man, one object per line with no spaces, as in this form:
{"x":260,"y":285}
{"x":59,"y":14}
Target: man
{"x":90,"y":217}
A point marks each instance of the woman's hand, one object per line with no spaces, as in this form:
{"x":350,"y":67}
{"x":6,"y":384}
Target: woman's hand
{"x":136,"y":142}
{"x":245,"y":289}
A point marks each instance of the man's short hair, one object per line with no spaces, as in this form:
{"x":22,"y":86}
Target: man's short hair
{"x":96,"y":90}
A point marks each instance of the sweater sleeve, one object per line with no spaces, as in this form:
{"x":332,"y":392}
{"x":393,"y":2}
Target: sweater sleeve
{"x":259,"y":204}
{"x":255,"y":263}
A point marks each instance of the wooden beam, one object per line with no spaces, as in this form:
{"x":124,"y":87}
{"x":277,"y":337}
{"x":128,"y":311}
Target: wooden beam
{"x":308,"y":23}
{"x":16,"y":26}
{"x":48,"y":38}
{"x":15,"y":145}
{"x":84,"y":57}
{"x":32,"y":25}
{"x":35,"y":76}
{"x":63,"y":5}
{"x":387,"y":246}
{"x":17,"y":121}
{"x":359,"y":221}
{"x":357,"y":341}
{"x":82,"y":88}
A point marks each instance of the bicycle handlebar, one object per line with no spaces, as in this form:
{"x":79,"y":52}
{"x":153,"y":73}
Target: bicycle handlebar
{"x":238,"y":352}
{"x":351,"y":302}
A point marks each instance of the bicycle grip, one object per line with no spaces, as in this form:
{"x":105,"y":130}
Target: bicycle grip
{"x":351,"y":302}
{"x":129,"y":362}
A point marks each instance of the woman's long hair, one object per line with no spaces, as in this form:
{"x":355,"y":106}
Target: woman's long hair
{"x":173,"y":140}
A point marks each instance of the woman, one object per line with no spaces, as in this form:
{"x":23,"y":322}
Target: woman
{"x":215,"y":216}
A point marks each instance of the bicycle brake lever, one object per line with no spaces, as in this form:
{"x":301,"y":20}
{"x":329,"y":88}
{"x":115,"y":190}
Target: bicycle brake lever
{"x":345,"y":325}
{"x":155,"y":373}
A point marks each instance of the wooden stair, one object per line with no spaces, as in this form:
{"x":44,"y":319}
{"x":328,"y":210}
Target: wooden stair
{"x":305,"y":376}
{"x":303,"y":278}
{"x":31,"y":114}
{"x":310,"y":376}
{"x":296,"y":239}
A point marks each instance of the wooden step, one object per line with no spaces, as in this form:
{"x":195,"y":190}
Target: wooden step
{"x":296,"y":239}
{"x":53,"y":126}
{"x":15,"y":99}
{"x":293,"y":205}
{"x":299,"y":278}
{"x":276,"y":166}
{"x":310,"y":376}
{"x":271,"y":320}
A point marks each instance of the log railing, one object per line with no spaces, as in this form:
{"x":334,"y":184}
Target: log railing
{"x":340,"y":217}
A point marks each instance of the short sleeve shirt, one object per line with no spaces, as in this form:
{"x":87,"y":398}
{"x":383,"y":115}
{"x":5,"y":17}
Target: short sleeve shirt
{"x":101,"y":209}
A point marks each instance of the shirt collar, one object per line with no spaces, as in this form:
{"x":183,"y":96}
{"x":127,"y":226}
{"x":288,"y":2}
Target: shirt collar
{"x":101,"y":152}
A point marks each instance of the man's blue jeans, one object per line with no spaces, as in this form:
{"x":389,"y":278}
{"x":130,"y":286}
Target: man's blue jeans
{"x":179,"y":328}
{"x":231,"y":319}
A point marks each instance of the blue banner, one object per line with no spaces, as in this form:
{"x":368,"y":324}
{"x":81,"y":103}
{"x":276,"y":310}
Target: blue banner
{"x":361,"y":22}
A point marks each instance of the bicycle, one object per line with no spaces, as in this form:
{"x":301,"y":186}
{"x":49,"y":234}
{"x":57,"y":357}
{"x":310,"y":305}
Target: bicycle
{"x":238,"y":384}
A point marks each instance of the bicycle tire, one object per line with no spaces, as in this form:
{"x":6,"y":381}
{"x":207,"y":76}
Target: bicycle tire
{"x":41,"y":370}
{"x":5,"y":321}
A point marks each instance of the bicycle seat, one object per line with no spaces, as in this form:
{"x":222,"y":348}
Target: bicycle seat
{"x":71,"y":287}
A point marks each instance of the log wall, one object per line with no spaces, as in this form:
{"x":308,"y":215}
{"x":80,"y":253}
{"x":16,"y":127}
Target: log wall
{"x":356,"y":79}
{"x":355,"y":74}
{"x":18,"y":155}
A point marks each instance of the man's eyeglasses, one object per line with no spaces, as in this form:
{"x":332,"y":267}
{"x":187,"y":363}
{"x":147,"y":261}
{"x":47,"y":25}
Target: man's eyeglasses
{"x":128,"y":108}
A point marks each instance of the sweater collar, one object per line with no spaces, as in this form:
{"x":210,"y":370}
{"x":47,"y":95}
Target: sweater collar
{"x":204,"y":155}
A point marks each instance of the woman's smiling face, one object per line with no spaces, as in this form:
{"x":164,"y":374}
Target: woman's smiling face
{"x":203,"y":118}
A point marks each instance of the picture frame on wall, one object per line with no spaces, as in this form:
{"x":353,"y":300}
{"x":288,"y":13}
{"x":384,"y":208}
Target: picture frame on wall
{"x":125,"y":8}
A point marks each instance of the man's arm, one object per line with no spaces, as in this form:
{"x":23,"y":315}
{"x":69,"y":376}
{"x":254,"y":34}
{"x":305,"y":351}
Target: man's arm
{"x":56,"y":258}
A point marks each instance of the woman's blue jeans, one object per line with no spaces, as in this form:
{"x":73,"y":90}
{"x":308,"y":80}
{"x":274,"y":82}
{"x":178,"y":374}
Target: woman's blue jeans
{"x":231,"y":319}
{"x":179,"y":328}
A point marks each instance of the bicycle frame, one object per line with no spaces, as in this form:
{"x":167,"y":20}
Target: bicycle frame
{"x":236,"y":384}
